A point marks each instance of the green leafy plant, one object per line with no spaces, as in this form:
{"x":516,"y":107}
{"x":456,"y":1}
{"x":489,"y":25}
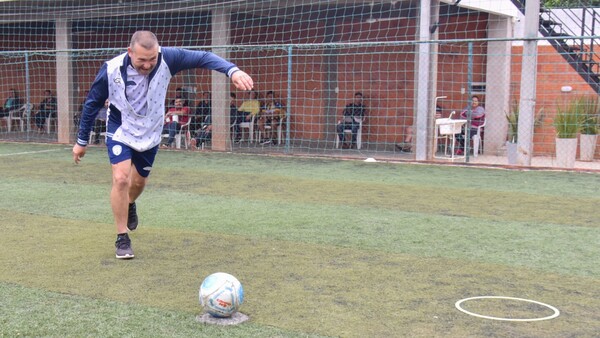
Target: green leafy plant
{"x":567,"y":122}
{"x":512,"y":118}
{"x":589,"y":117}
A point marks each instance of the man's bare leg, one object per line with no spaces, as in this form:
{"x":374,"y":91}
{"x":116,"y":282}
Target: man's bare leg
{"x":119,"y":194}
{"x":127,"y":185}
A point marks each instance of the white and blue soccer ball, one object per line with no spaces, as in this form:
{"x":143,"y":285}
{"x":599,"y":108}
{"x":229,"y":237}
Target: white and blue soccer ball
{"x":221,"y":295}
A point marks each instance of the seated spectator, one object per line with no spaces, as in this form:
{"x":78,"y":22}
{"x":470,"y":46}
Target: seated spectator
{"x":12,"y":102}
{"x":204,"y":134}
{"x":406,"y":145}
{"x":352,"y":114}
{"x":271,"y":114}
{"x":249,"y":108}
{"x":174,"y":119}
{"x":46,"y":109}
{"x":477,"y":119}
{"x":180,"y":93}
{"x":235,"y":117}
{"x":100,"y":122}
{"x":203,"y":109}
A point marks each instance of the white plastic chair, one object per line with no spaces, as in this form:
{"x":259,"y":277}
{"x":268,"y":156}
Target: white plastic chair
{"x":279,"y":130}
{"x":250,"y":126}
{"x":21,"y":114}
{"x":50,"y":121}
{"x":184,"y":132}
{"x":93,"y":134}
{"x":477,"y":140}
{"x":349,"y":130}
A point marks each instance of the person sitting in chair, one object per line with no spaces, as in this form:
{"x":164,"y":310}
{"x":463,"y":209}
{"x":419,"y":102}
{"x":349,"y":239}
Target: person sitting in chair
{"x":352,"y":114}
{"x":174,"y":119}
{"x":12,"y":102}
{"x":477,"y":119}
{"x":47,"y":109}
{"x":271,"y":114}
{"x":250,"y":108}
{"x":204,"y":134}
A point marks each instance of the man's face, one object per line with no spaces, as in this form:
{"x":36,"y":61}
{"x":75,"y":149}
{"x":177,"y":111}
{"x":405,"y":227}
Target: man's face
{"x":143,"y":60}
{"x":179,"y":103}
{"x":358,"y":98}
{"x":474,"y":102}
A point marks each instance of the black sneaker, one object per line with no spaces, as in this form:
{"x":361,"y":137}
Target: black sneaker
{"x":123,"y":245}
{"x":132,"y":219}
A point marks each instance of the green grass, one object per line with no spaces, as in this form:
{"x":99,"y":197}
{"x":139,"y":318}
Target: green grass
{"x":323,"y":247}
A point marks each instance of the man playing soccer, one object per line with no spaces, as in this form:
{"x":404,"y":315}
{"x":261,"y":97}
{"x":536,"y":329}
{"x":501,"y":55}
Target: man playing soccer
{"x":136,"y":84}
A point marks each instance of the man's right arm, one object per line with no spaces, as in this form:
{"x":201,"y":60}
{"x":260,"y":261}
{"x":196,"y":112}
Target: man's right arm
{"x":95,"y":101}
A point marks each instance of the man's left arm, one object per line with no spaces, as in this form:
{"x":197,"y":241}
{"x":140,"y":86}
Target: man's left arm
{"x":180,"y":59}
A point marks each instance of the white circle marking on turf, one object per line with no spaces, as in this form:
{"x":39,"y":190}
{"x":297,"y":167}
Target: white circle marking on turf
{"x":554,"y":315}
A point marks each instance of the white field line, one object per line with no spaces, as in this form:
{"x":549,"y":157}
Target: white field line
{"x":32,"y":152}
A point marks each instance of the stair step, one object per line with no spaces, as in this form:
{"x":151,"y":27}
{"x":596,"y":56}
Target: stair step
{"x":549,"y":23}
{"x":571,"y":49}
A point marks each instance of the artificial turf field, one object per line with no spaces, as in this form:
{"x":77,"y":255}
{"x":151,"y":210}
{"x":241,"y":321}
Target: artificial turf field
{"x":323,"y":247}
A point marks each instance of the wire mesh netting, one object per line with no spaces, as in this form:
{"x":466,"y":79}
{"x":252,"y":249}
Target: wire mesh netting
{"x":418,"y":66}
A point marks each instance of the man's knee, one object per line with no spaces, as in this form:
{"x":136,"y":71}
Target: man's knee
{"x":120,"y":180}
{"x":121,"y":174}
{"x":138,"y":182}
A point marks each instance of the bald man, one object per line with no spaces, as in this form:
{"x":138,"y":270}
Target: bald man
{"x":136,"y":84}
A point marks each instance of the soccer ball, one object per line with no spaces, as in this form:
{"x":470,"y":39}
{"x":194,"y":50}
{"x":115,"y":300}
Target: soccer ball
{"x":221,"y":294}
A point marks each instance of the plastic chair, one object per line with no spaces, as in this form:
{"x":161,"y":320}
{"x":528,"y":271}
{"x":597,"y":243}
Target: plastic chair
{"x":51,"y":121}
{"x":250,"y":126}
{"x":279,"y":130}
{"x":93,"y":134}
{"x":184,"y":132}
{"x":477,"y":141}
{"x":358,"y":133}
{"x":21,"y":114}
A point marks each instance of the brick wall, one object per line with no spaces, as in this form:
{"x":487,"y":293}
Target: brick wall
{"x":553,"y":72}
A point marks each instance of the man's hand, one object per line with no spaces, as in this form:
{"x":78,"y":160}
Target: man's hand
{"x":242,"y":81}
{"x":78,"y":153}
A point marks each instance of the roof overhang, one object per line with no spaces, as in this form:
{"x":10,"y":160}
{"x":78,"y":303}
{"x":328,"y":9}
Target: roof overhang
{"x":498,"y":7}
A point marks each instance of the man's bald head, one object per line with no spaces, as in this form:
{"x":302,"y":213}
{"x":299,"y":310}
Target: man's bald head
{"x":143,"y":51}
{"x":145,"y":39}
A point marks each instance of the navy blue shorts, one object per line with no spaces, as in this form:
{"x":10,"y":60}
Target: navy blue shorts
{"x":119,"y":152}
